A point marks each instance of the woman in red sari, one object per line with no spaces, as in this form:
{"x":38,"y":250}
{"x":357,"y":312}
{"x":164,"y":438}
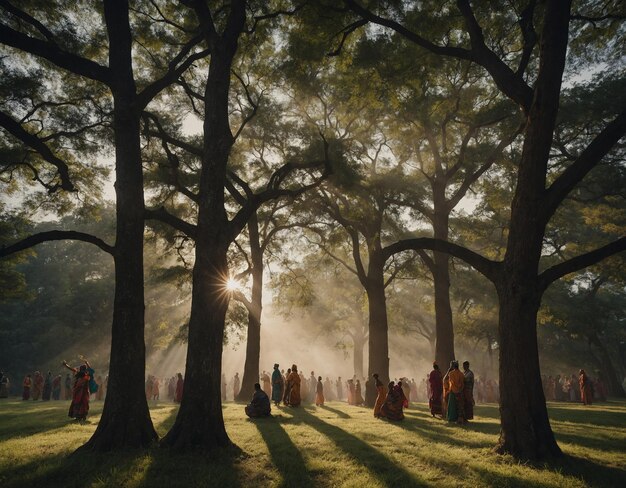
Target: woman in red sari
{"x":79,"y":408}
{"x":435,"y":390}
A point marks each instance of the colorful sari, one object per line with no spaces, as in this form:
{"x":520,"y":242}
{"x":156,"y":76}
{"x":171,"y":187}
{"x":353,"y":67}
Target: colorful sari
{"x":293,"y":384}
{"x":79,"y":408}
{"x":380,"y":397}
{"x":394,"y":403}
{"x":435,"y":391}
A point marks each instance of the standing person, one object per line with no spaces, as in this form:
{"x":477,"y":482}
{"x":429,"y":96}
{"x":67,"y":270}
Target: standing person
{"x":4,"y":385}
{"x":287,"y":389}
{"x":351,"y":391}
{"x":586,"y":392}
{"x":406,"y":389}
{"x":236,"y":386}
{"x":339,"y":385}
{"x":37,"y":385}
{"x":278,"y":385}
{"x":456,"y":384}
{"x":171,"y":388}
{"x":435,"y":390}
{"x":79,"y":408}
{"x":47,"y":388}
{"x":304,"y":387}
{"x":293,"y":385}
{"x":260,"y":404}
{"x":358,"y":398}
{"x":468,"y":391}
{"x":381,"y":394}
{"x":180,"y":384}
{"x":312,"y":387}
{"x":319,"y":392}
{"x":56,"y":387}
{"x":267,"y":383}
{"x":26,"y":384}
{"x":155,"y":388}
{"x":149,"y":385}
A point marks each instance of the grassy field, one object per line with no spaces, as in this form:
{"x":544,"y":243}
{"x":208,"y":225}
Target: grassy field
{"x":336,"y":445}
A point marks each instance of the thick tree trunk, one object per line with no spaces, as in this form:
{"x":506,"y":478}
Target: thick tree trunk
{"x":125,"y":420}
{"x":199,"y":423}
{"x":525,"y":427}
{"x":253,"y":340}
{"x":444,"y":329}
{"x":378,"y":341}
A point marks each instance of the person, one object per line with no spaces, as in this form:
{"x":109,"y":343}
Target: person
{"x":37,"y":385}
{"x":260,"y":404}
{"x":370,"y":393}
{"x":350,"y":390}
{"x":339,"y":385}
{"x":180,"y":383}
{"x":47,"y":388}
{"x":4,"y":385}
{"x":79,"y":408}
{"x":171,"y":388}
{"x":303,"y":390}
{"x":319,"y":392}
{"x":456,"y":384}
{"x":586,"y":392}
{"x":287,"y":387}
{"x":358,"y":398}
{"x":468,"y":391}
{"x":155,"y":388}
{"x":26,"y":386}
{"x":293,"y":385}
{"x":435,"y":390}
{"x":312,"y":387}
{"x":267,"y":384}
{"x":56,"y":387}
{"x":394,"y":402}
{"x":380,"y":395}
{"x":236,"y":386}
{"x":406,"y":388}
{"x":413,"y":389}
{"x":149,"y":384}
{"x":277,"y":385}
{"x":445,"y":394}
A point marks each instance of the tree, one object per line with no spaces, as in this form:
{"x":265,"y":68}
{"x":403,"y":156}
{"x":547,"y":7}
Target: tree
{"x":125,"y":419}
{"x":539,"y":192}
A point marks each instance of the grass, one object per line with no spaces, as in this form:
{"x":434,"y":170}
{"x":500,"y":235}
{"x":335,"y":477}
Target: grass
{"x":336,"y":445}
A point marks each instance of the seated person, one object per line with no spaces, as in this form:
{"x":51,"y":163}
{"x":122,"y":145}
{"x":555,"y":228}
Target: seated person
{"x":392,"y":408}
{"x":260,"y":404}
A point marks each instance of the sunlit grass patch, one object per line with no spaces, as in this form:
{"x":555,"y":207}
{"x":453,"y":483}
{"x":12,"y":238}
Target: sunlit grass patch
{"x":336,"y":445}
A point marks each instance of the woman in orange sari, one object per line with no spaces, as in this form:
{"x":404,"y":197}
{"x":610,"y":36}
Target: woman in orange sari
{"x":293,"y":385}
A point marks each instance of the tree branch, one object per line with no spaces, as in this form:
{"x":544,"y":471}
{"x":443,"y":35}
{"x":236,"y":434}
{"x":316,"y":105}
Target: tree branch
{"x":164,"y":216}
{"x":579,"y":262}
{"x":55,"y":235}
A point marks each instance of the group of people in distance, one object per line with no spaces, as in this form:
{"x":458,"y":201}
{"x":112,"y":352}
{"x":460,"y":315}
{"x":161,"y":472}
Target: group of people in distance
{"x":581,"y":388}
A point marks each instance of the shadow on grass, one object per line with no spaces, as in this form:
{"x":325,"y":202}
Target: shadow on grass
{"x":284,"y":454}
{"x":383,"y":468}
{"x":339,"y":413}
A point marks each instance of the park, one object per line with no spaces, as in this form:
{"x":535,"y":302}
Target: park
{"x":414,"y":206}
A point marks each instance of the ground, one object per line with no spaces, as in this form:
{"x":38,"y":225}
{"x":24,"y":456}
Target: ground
{"x":336,"y":445}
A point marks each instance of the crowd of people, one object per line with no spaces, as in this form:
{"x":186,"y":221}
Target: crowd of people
{"x":450,"y":396}
{"x":574,"y":388}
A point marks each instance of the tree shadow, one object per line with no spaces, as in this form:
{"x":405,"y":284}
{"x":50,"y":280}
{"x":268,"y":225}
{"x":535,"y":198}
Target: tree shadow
{"x":387,"y":471}
{"x":339,"y":413}
{"x":284,"y":454}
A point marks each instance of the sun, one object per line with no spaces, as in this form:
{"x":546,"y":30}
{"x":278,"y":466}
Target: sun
{"x":232,"y":285}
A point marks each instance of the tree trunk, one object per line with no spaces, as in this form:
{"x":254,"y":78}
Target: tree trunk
{"x":378,"y":341}
{"x":525,"y":427}
{"x":253,"y":340}
{"x":444,"y":329}
{"x":125,"y":420}
{"x":199,"y":423}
